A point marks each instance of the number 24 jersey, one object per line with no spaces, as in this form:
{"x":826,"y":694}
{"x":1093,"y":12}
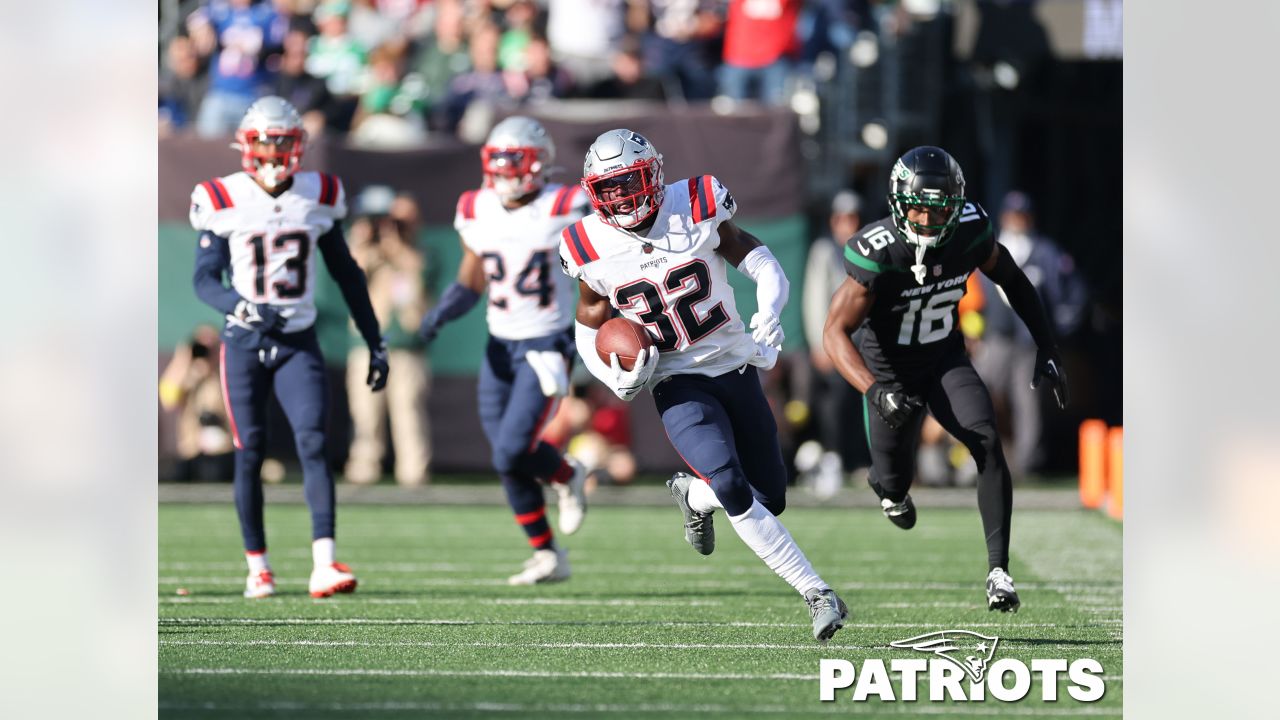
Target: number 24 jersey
{"x":272,"y":239}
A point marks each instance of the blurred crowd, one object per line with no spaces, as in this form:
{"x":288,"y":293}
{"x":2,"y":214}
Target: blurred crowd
{"x":391,"y":72}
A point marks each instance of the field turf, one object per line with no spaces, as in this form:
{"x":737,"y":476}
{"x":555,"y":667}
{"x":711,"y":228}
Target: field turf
{"x":645,"y":628}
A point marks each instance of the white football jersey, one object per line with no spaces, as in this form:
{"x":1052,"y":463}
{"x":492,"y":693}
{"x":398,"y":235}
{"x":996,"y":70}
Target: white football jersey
{"x":272,"y":239}
{"x":672,"y":281}
{"x":527,"y":298}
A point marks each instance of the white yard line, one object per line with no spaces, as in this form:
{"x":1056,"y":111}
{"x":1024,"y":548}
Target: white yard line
{"x":543,"y":645}
{"x":429,"y":621}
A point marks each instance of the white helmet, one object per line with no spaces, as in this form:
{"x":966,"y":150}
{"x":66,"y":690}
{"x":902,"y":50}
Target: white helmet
{"x":516,"y":157}
{"x":270,"y":140}
{"x":623,"y":178}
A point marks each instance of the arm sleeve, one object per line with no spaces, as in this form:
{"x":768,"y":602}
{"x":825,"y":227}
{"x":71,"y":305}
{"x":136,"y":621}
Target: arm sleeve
{"x":213,"y":257}
{"x":771,"y":282}
{"x":350,"y":279}
{"x":1023,"y":298}
{"x":455,"y":301}
{"x":585,"y":338}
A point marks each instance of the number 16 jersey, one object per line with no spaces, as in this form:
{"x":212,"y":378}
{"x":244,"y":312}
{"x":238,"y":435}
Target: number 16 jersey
{"x":527,"y":298}
{"x":914,"y":323}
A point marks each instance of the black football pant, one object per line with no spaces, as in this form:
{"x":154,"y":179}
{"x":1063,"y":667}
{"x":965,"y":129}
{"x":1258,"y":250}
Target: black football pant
{"x":959,"y":402}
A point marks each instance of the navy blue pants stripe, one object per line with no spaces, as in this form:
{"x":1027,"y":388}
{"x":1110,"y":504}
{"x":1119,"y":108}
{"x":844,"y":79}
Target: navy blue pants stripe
{"x":292,"y":367}
{"x":724,"y":429}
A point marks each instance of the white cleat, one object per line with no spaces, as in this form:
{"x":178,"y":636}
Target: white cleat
{"x":261,"y":584}
{"x":330,"y":579}
{"x":545,"y":566}
{"x":572,"y":498}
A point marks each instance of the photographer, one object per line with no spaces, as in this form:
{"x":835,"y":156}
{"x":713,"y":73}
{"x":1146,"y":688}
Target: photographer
{"x":383,"y":241}
{"x":190,"y":387}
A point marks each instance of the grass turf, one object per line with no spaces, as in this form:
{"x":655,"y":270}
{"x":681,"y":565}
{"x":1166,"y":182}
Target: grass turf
{"x":645,"y":628}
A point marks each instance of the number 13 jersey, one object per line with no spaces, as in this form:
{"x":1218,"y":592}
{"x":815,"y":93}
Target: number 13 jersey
{"x":527,"y":298}
{"x":272,"y":239}
{"x":912,"y":323}
{"x":672,"y":281}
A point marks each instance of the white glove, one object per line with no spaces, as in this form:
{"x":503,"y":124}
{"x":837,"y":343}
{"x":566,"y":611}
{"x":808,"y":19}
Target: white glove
{"x":628,"y":383}
{"x":552,"y":371}
{"x":765,"y":358}
{"x":766,"y":330}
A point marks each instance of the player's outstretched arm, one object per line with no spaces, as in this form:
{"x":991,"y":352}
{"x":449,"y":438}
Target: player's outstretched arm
{"x":849,"y":307}
{"x":745,"y":252}
{"x":458,"y":298}
{"x":1025,"y":301}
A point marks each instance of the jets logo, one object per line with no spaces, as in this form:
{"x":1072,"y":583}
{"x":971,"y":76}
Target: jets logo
{"x":900,"y":171}
{"x":969,"y":651}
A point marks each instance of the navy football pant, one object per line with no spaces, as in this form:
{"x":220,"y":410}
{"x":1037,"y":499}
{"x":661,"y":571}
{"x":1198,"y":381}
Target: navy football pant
{"x":292,"y":367}
{"x":724,"y":429}
{"x":960,"y":403}
{"x":513,"y":411}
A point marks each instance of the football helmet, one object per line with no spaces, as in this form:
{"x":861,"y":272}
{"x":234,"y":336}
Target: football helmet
{"x":270,"y":140}
{"x":622,"y":175}
{"x":516,"y":157}
{"x":926,"y":177}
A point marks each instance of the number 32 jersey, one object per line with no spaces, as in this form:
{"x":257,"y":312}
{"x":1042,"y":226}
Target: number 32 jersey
{"x":527,"y":299}
{"x":272,"y":239}
{"x":672,"y":281}
{"x":913,"y":324}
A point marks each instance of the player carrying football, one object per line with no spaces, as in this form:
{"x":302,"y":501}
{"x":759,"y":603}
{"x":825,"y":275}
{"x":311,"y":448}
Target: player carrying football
{"x":907,"y":272}
{"x":659,"y":254}
{"x":510,"y":229}
{"x":262,"y":226}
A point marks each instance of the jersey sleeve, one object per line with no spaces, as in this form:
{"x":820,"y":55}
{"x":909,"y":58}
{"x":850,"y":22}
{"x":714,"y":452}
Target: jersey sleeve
{"x":570,"y":268}
{"x":726,"y":207}
{"x":332,"y":197}
{"x":464,"y":216}
{"x":863,"y":261}
{"x":207,"y":199}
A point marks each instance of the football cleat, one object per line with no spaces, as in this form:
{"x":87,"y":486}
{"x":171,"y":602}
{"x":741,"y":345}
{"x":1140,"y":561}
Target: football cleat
{"x":1000,"y":592}
{"x":329,"y":579}
{"x":545,"y":566}
{"x":572,"y":498}
{"x":902,"y":514}
{"x":260,"y":585}
{"x":698,"y":530}
{"x":828,"y":612}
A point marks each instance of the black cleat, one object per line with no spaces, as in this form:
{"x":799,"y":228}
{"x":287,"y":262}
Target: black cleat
{"x":902,"y":514}
{"x":1000,"y":593}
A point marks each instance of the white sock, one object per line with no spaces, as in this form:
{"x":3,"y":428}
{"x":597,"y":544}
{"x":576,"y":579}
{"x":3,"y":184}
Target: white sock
{"x":702,"y":498}
{"x":322,"y":552}
{"x":257,"y":562}
{"x":765,"y":534}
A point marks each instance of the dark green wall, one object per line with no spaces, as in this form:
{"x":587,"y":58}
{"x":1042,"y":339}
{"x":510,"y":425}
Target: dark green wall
{"x":459,"y":346}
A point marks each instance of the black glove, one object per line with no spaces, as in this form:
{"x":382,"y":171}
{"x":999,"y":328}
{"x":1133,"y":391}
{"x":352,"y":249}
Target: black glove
{"x":893,"y":404}
{"x":259,"y":316}
{"x":378,"y":367}
{"x":429,"y":328}
{"x":1049,"y":367}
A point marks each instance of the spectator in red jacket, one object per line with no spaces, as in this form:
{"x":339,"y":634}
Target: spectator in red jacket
{"x":759,"y":41}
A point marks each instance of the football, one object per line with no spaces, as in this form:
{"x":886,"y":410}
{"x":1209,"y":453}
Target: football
{"x":624,"y":337}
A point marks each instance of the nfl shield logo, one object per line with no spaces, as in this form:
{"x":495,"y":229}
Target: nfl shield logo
{"x":937,"y":270}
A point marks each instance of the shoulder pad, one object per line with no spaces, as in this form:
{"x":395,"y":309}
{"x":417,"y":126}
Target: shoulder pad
{"x":467,"y":205}
{"x":579,"y":245}
{"x":330,"y":189}
{"x":565,"y":200}
{"x":218,"y":193}
{"x":868,"y":248}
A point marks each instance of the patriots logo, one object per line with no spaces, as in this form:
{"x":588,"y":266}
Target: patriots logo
{"x":975,"y":649}
{"x":638,"y":139}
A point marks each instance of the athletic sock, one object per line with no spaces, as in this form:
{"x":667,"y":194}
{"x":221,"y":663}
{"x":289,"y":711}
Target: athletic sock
{"x":257,"y":561}
{"x":562,"y":474}
{"x":702,"y":498}
{"x":322,"y":552}
{"x":769,"y":539}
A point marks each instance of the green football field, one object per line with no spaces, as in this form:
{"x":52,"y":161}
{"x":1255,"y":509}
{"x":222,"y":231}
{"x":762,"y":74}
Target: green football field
{"x":644,"y":628}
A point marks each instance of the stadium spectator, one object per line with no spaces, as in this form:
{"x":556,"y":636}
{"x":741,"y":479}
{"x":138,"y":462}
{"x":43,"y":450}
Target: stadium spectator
{"x":441,"y":56}
{"x":482,"y":90}
{"x":681,"y":47}
{"x":182,"y":85}
{"x":370,"y":27}
{"x":759,"y":41}
{"x":244,"y":33}
{"x":518,"y":23}
{"x":835,"y":414}
{"x":190,"y":387}
{"x":543,"y":79}
{"x":390,"y":113}
{"x":308,"y":93}
{"x":335,"y":55}
{"x":586,"y":55}
{"x":595,"y":429}
{"x":628,"y":81}
{"x":383,"y":241}
{"x":1005,"y":357}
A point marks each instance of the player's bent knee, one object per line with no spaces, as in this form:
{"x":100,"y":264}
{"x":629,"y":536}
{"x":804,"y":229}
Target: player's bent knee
{"x":506,"y":456}
{"x":310,"y":445}
{"x":984,"y":444}
{"x":775,"y":505}
{"x":732,"y":490}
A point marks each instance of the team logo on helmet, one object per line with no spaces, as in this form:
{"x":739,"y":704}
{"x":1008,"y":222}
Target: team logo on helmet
{"x":900,"y":171}
{"x":969,"y":651}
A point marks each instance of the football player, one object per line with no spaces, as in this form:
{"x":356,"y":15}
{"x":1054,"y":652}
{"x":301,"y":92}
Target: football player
{"x":659,"y":253}
{"x":510,"y":229}
{"x":907,"y":273}
{"x":262,"y":227}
